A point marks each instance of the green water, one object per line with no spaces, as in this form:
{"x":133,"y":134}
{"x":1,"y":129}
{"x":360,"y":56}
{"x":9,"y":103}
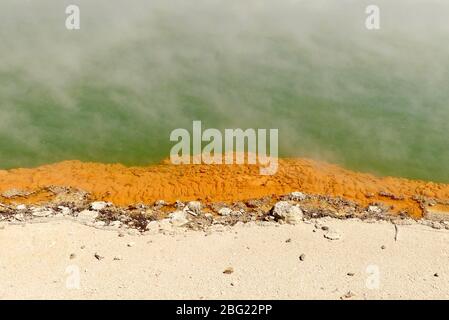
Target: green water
{"x":375,"y":101}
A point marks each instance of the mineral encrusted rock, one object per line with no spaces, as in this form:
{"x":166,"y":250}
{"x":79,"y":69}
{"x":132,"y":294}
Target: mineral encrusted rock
{"x":287,"y":212}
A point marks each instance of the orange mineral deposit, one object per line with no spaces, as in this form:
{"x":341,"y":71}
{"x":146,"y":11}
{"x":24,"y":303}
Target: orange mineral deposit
{"x":210,"y":183}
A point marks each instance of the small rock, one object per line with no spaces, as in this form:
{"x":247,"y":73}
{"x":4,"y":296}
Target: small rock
{"x":436,"y":275}
{"x":98,"y":205}
{"x":98,"y":257}
{"x":160,"y":203}
{"x":350,"y":274}
{"x":374,"y":209}
{"x":347,"y":295}
{"x":437,"y":225}
{"x":289,"y":213}
{"x":297,"y":196}
{"x":179,"y":204}
{"x":228,"y":270}
{"x":65,"y":211}
{"x":383,"y":247}
{"x":288,"y":240}
{"x":87,"y":215}
{"x":224,"y":212}
{"x":42,"y":212}
{"x":302,"y":257}
{"x":130,"y":244}
{"x":332,"y":235}
{"x":194,"y":206}
{"x":72,"y":256}
{"x":19,"y":217}
{"x":178,"y":218}
{"x":117,"y":258}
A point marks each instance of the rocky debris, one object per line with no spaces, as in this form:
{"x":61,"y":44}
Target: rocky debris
{"x":228,"y":270}
{"x":216,"y":228}
{"x":65,"y":210}
{"x":287,"y":212}
{"x":98,"y":205}
{"x":117,"y":258}
{"x":163,"y":217}
{"x":436,"y":225}
{"x":438,"y":215}
{"x":179,"y":204}
{"x":69,"y":197}
{"x":390,"y":195}
{"x":288,"y":240}
{"x":42,"y":212}
{"x":225,"y":212}
{"x":194,"y":207}
{"x":159,"y":204}
{"x":297,"y":196}
{"x":254,"y":203}
{"x":178,"y":218}
{"x":332,"y":235}
{"x":374,"y":209}
{"x":19,"y":217}
{"x":445,"y":224}
{"x":87,"y":216}
{"x":14,"y":193}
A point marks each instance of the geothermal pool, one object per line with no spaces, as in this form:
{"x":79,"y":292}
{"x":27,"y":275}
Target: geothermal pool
{"x":375,"y":101}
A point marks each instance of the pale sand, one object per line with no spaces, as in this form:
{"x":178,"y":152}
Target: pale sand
{"x":34,"y":258}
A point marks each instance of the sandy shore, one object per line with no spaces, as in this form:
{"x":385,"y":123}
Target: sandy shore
{"x":46,"y":260}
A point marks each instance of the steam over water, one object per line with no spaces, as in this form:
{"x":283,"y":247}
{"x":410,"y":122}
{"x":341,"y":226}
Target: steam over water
{"x":113,"y":91}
